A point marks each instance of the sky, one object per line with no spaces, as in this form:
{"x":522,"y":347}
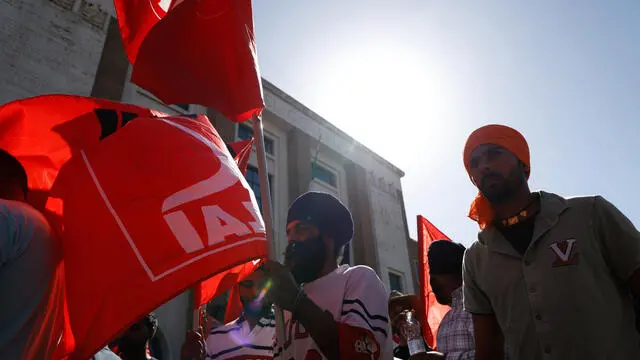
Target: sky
{"x":412,"y":79}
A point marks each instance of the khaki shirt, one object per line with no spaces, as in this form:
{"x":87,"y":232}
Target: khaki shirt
{"x":567,"y":297}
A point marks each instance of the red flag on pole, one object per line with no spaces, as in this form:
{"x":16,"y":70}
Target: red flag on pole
{"x":206,"y":290}
{"x":243,"y":150}
{"x":142,"y":217}
{"x":195,"y":52}
{"x":427,"y":233}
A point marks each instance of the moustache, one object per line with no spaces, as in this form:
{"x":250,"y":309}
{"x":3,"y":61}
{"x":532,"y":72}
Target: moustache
{"x":489,"y":176}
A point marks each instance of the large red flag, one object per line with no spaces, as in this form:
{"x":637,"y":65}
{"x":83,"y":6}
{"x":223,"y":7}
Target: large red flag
{"x":30,"y":130}
{"x":147,"y":205}
{"x":206,"y":290}
{"x":194,"y":52}
{"x":427,"y":233}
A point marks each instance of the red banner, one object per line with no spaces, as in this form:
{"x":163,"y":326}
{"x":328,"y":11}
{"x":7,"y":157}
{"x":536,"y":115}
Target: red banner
{"x":427,"y":233}
{"x":243,"y":151}
{"x":147,"y":205}
{"x":210,"y":288}
{"x":194,"y":52}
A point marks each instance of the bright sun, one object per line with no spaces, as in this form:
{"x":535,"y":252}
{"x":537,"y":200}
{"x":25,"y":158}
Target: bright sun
{"x":384,"y":96}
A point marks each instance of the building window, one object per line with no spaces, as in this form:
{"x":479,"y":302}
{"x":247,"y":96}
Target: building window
{"x":245,"y":132}
{"x":395,"y":282}
{"x":253,"y":179}
{"x":184,"y":107}
{"x":325,"y":175}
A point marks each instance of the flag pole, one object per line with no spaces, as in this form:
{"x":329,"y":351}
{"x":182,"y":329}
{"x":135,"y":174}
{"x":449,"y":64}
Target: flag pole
{"x":265,"y":194}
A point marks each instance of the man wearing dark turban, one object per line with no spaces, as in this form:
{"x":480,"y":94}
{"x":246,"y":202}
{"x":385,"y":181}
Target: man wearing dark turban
{"x":455,"y":337}
{"x":331,"y":311}
{"x":549,"y":277}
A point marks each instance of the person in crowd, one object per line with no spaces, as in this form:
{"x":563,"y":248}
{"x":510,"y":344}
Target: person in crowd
{"x":31,"y":294}
{"x":331,"y":311}
{"x":455,"y":336}
{"x":248,"y":337}
{"x":401,"y":349}
{"x":134,"y":342}
{"x":549,"y":277}
{"x":399,"y":303}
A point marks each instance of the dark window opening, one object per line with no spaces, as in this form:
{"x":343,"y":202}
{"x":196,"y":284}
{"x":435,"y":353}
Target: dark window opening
{"x":245,"y":132}
{"x":325,"y":175}
{"x":184,"y":107}
{"x":395,"y":282}
{"x":253,"y":179}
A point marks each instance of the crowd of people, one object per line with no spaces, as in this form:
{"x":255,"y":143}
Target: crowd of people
{"x":547,"y":278}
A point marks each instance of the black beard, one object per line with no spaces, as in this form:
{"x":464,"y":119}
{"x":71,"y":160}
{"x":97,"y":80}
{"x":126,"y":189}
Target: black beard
{"x":510,"y":187}
{"x":306,"y":258}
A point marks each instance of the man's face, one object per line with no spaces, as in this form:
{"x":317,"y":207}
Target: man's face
{"x":306,"y":253}
{"x":396,"y":320}
{"x":496,"y":172}
{"x":252,"y":291}
{"x":136,"y":336}
{"x":441,"y":286}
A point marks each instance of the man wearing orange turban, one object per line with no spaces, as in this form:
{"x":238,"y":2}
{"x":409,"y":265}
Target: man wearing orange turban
{"x":549,"y":277}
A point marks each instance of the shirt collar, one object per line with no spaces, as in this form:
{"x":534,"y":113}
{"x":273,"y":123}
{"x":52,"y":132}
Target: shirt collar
{"x":456,"y":298}
{"x":551,"y":206}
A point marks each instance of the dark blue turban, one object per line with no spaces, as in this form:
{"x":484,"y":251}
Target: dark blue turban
{"x":323,"y":210}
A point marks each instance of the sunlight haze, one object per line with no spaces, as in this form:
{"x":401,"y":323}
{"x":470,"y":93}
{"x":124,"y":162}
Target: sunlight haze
{"x":412,"y":79}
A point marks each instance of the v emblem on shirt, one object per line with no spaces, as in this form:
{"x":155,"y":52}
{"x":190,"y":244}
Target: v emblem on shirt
{"x":564,"y":251}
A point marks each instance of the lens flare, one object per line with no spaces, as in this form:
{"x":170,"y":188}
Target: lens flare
{"x":255,"y":306}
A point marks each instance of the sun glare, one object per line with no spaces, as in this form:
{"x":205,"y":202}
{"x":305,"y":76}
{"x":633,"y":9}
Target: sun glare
{"x":383,"y":95}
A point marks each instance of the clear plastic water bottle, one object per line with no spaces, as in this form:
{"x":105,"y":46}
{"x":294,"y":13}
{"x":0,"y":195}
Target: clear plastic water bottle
{"x":413,"y":333}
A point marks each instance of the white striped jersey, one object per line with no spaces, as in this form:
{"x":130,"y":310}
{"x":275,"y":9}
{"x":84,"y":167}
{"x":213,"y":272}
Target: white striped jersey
{"x":237,"y":341}
{"x":355,"y":296}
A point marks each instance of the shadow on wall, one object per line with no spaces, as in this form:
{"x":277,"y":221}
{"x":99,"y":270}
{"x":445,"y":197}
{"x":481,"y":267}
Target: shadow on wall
{"x":159,"y":346}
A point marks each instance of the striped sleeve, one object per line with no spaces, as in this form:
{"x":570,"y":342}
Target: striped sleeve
{"x":365,"y":303}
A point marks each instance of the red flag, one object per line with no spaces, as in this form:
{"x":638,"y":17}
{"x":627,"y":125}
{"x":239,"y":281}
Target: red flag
{"x":210,"y":288}
{"x":234,"y":306}
{"x":194,"y":52}
{"x":243,"y":153}
{"x":143,"y":217}
{"x":427,"y":233}
{"x":30,"y":130}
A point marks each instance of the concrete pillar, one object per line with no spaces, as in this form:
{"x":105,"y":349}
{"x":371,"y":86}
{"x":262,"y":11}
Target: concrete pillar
{"x":111,"y":75}
{"x":364,"y":243}
{"x":299,"y":163}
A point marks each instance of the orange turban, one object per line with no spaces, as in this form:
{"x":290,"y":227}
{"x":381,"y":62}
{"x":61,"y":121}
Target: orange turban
{"x":505,"y":137}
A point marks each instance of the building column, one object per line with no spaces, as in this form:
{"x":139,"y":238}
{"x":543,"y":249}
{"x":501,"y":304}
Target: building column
{"x":364,"y":244}
{"x":111,"y":75}
{"x":299,"y":163}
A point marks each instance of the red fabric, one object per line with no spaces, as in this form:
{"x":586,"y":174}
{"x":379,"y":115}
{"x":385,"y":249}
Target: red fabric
{"x":356,"y":343}
{"x":243,"y":151}
{"x":234,"y":306}
{"x":206,"y":290}
{"x":221,"y":282}
{"x":427,"y":233}
{"x":142,"y":217}
{"x":194,"y":52}
{"x":34,"y":130}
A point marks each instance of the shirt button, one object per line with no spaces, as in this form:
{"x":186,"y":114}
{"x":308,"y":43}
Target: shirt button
{"x":538,"y":317}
